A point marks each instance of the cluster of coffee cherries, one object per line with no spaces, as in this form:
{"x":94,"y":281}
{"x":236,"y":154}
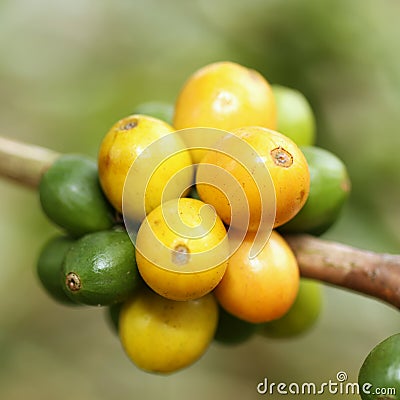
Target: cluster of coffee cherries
{"x":178,"y":228}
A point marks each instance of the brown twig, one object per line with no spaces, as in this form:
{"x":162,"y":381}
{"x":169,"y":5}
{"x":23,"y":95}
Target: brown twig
{"x":366,"y":272}
{"x":373,"y":274}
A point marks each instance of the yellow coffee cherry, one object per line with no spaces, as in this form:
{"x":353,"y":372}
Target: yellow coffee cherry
{"x":154,"y":140}
{"x":182,"y":249}
{"x":163,"y":336}
{"x":225,"y":95}
{"x":287,"y":167}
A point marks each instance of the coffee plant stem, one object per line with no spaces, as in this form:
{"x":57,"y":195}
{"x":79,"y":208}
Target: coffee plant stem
{"x":24,"y":163}
{"x":363,"y":271}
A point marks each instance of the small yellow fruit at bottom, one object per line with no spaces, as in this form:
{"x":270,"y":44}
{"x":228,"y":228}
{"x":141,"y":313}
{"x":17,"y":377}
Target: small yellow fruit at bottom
{"x":164,"y":336}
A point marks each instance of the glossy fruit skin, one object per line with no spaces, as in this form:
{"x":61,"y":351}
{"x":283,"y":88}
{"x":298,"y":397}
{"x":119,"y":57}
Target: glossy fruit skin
{"x":301,"y":317}
{"x":381,"y":369}
{"x":295,"y":117}
{"x":156,"y":242}
{"x":225,"y":95}
{"x":329,"y":190}
{"x":71,"y":196}
{"x":263,"y":288}
{"x":232,"y":330}
{"x":156,"y":109}
{"x":102,"y":268}
{"x":48,"y":267}
{"x":164,"y":336}
{"x":287,"y":167}
{"x":124,"y":143}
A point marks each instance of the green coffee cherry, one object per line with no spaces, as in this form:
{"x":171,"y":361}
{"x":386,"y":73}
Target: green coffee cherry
{"x":193,"y":193}
{"x":295,"y":117}
{"x":329,"y":189}
{"x":48,"y":267}
{"x":112,"y":315}
{"x":301,"y":317}
{"x":71,"y":196}
{"x":156,"y":109}
{"x":100,"y":269}
{"x":232,"y":330}
{"x":379,"y":376}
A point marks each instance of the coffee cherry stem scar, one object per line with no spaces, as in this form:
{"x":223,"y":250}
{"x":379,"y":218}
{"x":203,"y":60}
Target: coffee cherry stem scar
{"x":73,"y":282}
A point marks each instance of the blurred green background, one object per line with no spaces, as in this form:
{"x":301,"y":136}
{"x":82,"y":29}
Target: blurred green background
{"x":70,"y":69}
